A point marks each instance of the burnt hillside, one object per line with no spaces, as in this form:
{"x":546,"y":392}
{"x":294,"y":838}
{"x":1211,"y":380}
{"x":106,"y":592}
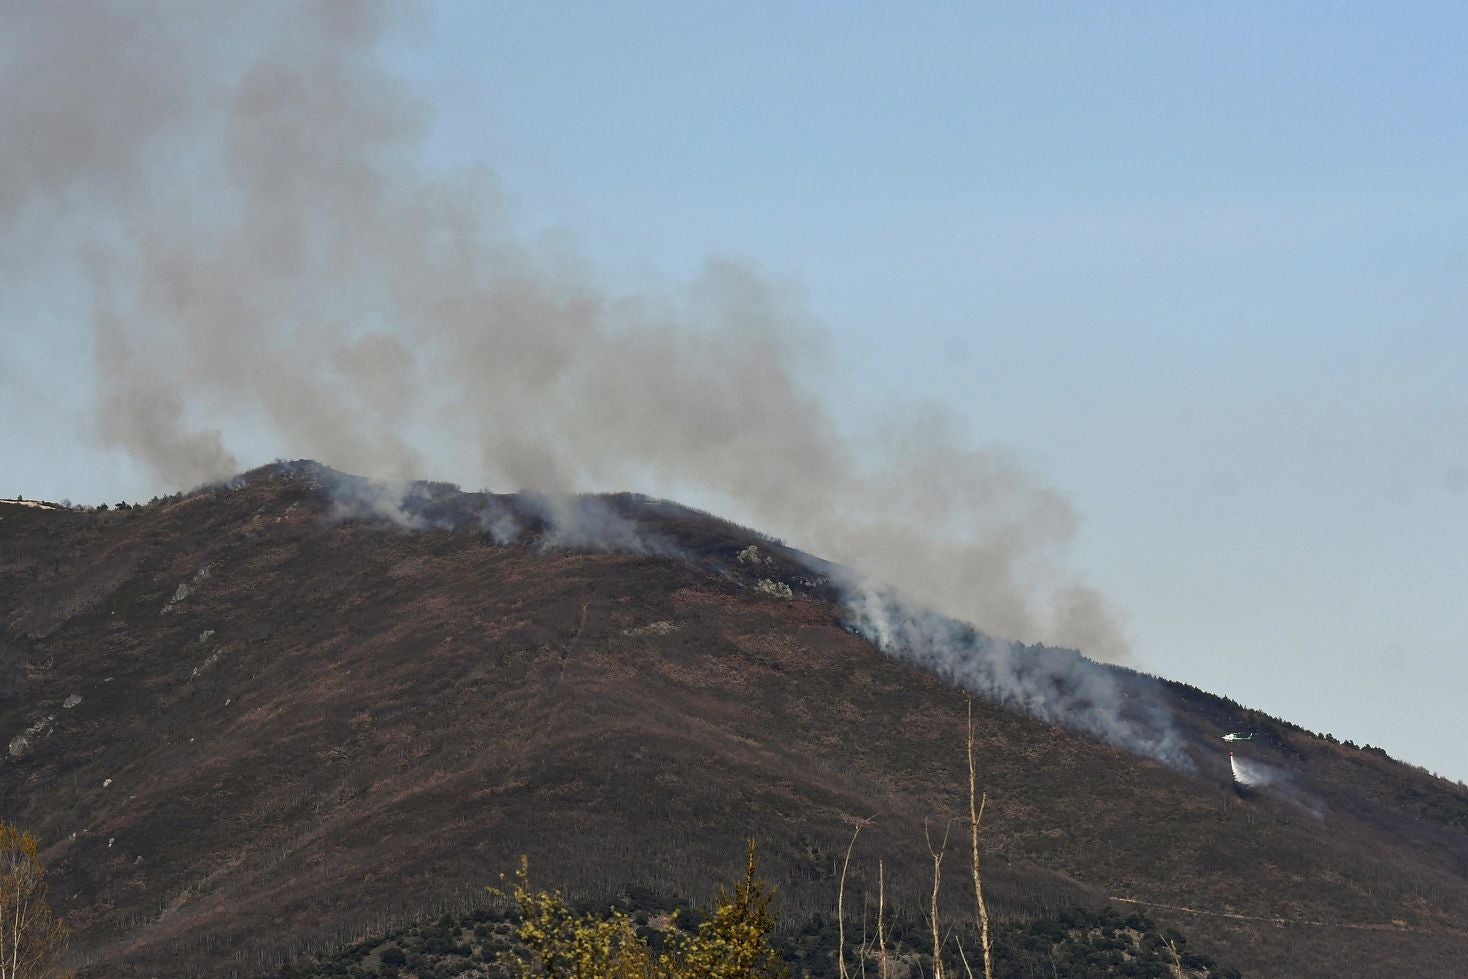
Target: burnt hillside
{"x":282,"y":714}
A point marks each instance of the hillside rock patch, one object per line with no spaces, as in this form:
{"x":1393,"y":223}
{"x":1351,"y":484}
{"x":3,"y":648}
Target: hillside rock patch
{"x":768,"y":586}
{"x":24,"y":743}
{"x":186,"y":588}
{"x":752,"y":555}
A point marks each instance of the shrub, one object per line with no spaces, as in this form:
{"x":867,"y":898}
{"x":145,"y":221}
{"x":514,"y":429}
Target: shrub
{"x":560,"y":943}
{"x":35,"y":939}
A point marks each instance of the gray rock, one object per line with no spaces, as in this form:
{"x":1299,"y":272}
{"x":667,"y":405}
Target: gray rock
{"x":778,"y":589}
{"x":186,"y":588}
{"x":752,"y":555}
{"x":23,"y":744}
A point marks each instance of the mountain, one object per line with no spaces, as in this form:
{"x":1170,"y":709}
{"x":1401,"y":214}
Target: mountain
{"x":281,"y":714}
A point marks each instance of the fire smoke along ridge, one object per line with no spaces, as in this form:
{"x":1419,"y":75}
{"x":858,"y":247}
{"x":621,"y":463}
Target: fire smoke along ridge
{"x":271,"y":258}
{"x":1055,"y":685}
{"x":564,"y":522}
{"x":586,"y":523}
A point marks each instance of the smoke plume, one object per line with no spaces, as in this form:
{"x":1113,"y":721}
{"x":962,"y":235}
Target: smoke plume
{"x":1060,"y":686}
{"x":274,"y":268}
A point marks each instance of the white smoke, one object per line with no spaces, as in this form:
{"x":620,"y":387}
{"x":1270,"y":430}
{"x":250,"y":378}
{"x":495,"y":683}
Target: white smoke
{"x":586,"y":523}
{"x":355,"y":498}
{"x":500,"y":523}
{"x":1059,"y":686}
{"x":574,"y":522}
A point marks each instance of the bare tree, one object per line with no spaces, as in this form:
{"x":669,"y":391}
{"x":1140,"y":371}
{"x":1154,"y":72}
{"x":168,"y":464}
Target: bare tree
{"x":32,"y":939}
{"x":937,"y":856}
{"x":975,"y":818}
{"x":841,"y":898}
{"x":963,"y":957}
{"x":881,"y":907}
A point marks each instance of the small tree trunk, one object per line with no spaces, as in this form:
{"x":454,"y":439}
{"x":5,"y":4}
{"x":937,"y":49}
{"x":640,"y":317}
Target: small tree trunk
{"x":841,"y":905}
{"x":881,"y":906}
{"x":937,"y":856}
{"x":976,"y":817}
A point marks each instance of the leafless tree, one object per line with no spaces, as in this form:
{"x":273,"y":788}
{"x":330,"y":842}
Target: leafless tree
{"x":937,"y":855}
{"x":976,"y":817}
{"x":32,"y":939}
{"x":841,"y":898}
{"x":881,"y":908}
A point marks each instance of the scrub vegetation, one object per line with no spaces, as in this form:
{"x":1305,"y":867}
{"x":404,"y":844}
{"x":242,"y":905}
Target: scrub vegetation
{"x":32,"y":939}
{"x":341,"y":729}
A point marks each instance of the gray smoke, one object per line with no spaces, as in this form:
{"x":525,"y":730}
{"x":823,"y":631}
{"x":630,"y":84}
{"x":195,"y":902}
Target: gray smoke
{"x":400,"y":503}
{"x":585,"y":523}
{"x":549,"y":522}
{"x":1059,"y":686}
{"x":274,"y":268}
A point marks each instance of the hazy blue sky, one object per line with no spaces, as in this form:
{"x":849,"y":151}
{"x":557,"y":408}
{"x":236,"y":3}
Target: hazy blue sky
{"x":1203,"y":267}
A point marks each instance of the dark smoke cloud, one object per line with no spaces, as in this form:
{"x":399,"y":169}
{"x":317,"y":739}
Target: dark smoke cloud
{"x":244,"y":191}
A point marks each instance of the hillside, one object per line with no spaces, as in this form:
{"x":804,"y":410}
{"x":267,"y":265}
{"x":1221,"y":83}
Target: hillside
{"x":300,"y":709}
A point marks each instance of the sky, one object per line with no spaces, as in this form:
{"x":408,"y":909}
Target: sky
{"x":1200,"y":271}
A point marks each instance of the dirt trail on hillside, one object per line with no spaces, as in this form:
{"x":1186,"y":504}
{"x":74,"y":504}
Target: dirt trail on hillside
{"x":1372,"y":926}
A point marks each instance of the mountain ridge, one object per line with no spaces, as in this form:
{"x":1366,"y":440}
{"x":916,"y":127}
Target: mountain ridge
{"x":284,"y":687}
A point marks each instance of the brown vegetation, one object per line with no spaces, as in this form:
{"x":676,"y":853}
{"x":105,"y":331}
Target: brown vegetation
{"x":560,"y":943}
{"x":345,"y":726}
{"x":32,"y":938}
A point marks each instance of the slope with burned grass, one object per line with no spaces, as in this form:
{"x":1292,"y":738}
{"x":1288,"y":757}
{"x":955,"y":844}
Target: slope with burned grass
{"x":262,"y":722}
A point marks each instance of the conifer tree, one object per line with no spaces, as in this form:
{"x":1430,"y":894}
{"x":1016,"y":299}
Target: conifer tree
{"x":735,"y":942}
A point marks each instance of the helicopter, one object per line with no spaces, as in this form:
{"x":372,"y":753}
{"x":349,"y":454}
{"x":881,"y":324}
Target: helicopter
{"x":1239,"y":737}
